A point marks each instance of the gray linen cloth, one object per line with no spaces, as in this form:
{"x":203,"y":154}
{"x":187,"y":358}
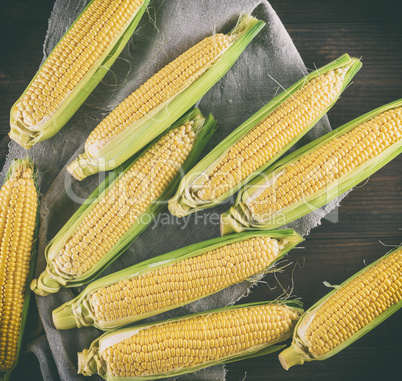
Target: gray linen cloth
{"x":169,"y":27}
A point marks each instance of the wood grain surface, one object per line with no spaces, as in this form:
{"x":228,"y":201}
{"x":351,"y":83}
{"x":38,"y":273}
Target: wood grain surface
{"x":369,"y":221}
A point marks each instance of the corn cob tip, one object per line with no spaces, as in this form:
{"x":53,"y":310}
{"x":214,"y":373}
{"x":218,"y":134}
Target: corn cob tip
{"x":20,"y":136}
{"x":81,"y":361}
{"x":229,"y":225}
{"x":36,"y":289}
{"x":90,"y":362}
{"x":225,"y":225}
{"x":21,"y":167}
{"x":64,"y":317}
{"x":85,"y":165}
{"x":76,"y":169}
{"x":290,"y":357}
{"x":244,"y":23}
{"x":86,"y":363}
{"x":45,"y":284}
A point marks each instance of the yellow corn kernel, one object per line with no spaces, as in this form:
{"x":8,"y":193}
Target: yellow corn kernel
{"x":72,"y":58}
{"x":164,"y":85}
{"x":197,"y":340}
{"x":355,"y":305}
{"x":123,"y":204}
{"x":273,"y":134}
{"x":329,"y":163}
{"x":18,"y":205}
{"x":195,"y":277}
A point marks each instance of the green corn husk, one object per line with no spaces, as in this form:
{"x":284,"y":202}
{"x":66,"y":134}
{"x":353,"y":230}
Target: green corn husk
{"x":51,"y":280}
{"x":90,"y":361}
{"x":142,"y":131}
{"x":186,"y":201}
{"x":79,"y":311}
{"x":239,"y":217}
{"x":299,"y":352}
{"x":6,"y":375}
{"x":26,"y":136}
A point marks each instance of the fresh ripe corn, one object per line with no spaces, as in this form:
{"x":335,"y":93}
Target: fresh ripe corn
{"x":150,"y":109}
{"x":208,"y":336}
{"x":273,"y":134}
{"x":357,"y":150}
{"x":18,"y":208}
{"x":107,"y":221}
{"x":175,"y":284}
{"x":377,"y":283}
{"x":72,"y":58}
{"x":127,"y":200}
{"x":165,"y":84}
{"x":183,"y":276}
{"x":111,"y":218}
{"x":263,"y":138}
{"x":182,"y":345}
{"x":329,"y":163}
{"x":72,"y":62}
{"x":347,"y":313}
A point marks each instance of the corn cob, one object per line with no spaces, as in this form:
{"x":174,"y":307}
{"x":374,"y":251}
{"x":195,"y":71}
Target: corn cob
{"x":186,"y":344}
{"x":18,"y":205}
{"x":174,"y":279}
{"x":150,"y":109}
{"x":348,"y":312}
{"x":102,"y":229}
{"x":319,"y":172}
{"x":263,"y":138}
{"x":74,"y":68}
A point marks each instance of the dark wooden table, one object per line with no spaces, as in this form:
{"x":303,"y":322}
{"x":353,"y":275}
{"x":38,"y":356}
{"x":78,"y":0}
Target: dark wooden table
{"x":321,"y":30}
